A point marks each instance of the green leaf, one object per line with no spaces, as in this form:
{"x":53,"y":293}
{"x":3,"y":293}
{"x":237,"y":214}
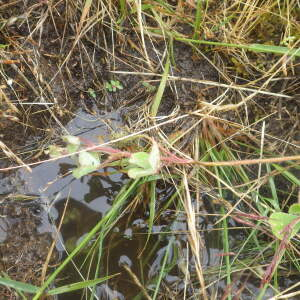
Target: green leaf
{"x":288,"y":175}
{"x":251,"y":47}
{"x":274,"y":49}
{"x":139,"y":172}
{"x":71,"y":148}
{"x":278,"y":222}
{"x":88,"y":159}
{"x":108,"y":86}
{"x":87,"y":163}
{"x":161,"y":89}
{"x":152,"y":206}
{"x":148,"y":86}
{"x":20,"y":286}
{"x":144,"y":164}
{"x":287,"y":40}
{"x":83,"y":170}
{"x":92,"y":93}
{"x":295,"y":209}
{"x":140,"y":159}
{"x":78,"y":285}
{"x":113,"y":85}
{"x":118,"y":85}
{"x":154,"y":157}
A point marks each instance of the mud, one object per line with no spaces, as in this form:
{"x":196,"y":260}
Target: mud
{"x":23,"y":248}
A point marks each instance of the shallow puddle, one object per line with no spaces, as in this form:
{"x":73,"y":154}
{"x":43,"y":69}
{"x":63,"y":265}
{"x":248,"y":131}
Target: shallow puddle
{"x":51,"y":185}
{"x":88,"y":199}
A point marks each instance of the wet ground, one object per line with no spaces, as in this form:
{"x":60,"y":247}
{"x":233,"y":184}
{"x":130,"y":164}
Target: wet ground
{"x":30,"y":225}
{"x":69,"y":98}
{"x":33,"y":205}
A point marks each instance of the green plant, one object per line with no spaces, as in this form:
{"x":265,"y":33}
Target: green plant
{"x":286,"y":223}
{"x":92,"y":92}
{"x":289,"y":39}
{"x":103,"y":227}
{"x":113,"y":85}
{"x":87,"y":161}
{"x":251,"y":47}
{"x":144,"y":164}
{"x":150,"y":88}
{"x":32,"y":289}
{"x":139,"y":164}
{"x":161,"y":89}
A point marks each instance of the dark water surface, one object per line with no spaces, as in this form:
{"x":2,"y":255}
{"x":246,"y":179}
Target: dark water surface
{"x":89,"y":198}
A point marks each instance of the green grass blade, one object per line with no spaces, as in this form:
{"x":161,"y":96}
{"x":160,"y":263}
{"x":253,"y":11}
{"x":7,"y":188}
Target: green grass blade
{"x":274,"y":49}
{"x":99,"y":243}
{"x":198,"y":20}
{"x":225,"y":237}
{"x":123,"y":9}
{"x":226,"y":250}
{"x":275,"y":201}
{"x":20,"y":286}
{"x":251,"y":47}
{"x":152,"y":208}
{"x":161,"y":89}
{"x":288,"y":175}
{"x":78,"y":285}
{"x":162,"y":271}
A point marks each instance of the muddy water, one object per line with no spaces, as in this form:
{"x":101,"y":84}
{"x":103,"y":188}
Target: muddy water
{"x":54,"y":184}
{"x":51,"y":185}
{"x":88,"y":198}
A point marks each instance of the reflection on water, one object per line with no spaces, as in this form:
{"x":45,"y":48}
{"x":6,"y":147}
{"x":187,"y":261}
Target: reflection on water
{"x":90,"y":197}
{"x":49,"y":180}
{"x":54,"y":183}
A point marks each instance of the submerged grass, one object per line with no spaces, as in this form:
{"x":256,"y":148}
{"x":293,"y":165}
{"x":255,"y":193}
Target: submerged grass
{"x":219,"y":196}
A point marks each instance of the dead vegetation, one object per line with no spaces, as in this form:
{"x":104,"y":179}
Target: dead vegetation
{"x":186,"y":83}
